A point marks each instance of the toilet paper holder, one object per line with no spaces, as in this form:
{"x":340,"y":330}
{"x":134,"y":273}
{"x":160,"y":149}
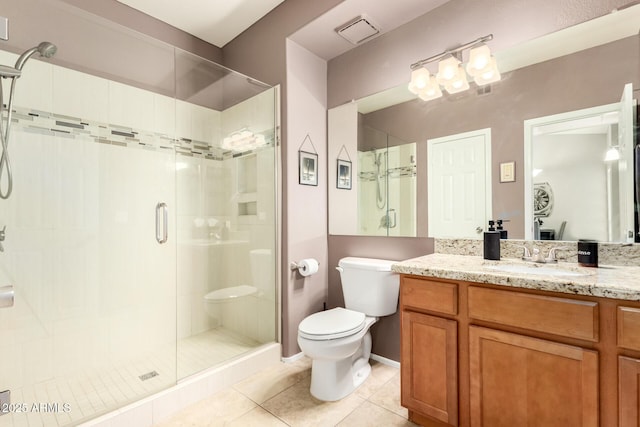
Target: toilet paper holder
{"x":294,"y":265}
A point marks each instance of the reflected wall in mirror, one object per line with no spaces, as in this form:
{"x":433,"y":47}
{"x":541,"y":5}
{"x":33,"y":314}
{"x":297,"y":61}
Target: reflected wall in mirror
{"x":579,"y":174}
{"x":577,"y":68}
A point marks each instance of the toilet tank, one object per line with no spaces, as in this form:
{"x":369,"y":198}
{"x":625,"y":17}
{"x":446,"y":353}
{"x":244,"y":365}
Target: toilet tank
{"x":369,"y":286}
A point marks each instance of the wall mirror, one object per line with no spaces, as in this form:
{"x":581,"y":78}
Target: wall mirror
{"x":382,"y":199}
{"x":579,"y":174}
{"x":581,"y":67}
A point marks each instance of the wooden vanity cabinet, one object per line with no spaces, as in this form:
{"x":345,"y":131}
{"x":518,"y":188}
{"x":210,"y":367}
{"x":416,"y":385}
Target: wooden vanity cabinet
{"x":429,"y":368}
{"x":516,"y":379}
{"x":521,"y":357}
{"x":628,"y":337}
{"x":628,"y":392}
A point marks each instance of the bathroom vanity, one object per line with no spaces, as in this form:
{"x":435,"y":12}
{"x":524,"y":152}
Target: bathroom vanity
{"x":500,"y":343}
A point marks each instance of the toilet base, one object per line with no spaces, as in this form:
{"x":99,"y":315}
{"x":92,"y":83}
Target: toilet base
{"x":331,"y":380}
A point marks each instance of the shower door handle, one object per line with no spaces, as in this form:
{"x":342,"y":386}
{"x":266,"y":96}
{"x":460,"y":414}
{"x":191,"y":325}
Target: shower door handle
{"x":161,"y":223}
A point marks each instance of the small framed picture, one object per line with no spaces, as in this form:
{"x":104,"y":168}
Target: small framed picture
{"x":308,"y":164}
{"x":508,"y":172}
{"x":344,"y":175}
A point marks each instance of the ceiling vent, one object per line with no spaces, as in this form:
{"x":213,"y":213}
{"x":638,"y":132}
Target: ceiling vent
{"x":358,"y":30}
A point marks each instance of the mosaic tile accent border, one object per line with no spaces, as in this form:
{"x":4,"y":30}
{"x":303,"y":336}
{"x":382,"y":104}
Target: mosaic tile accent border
{"x":51,"y":124}
{"x":399,"y":172}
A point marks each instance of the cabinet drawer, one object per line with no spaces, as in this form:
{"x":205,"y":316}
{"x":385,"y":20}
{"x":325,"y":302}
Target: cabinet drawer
{"x":629,"y":328}
{"x":429,"y":295}
{"x":559,"y":316}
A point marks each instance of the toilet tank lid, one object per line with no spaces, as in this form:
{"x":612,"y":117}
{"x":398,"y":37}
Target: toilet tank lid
{"x":366,"y":263}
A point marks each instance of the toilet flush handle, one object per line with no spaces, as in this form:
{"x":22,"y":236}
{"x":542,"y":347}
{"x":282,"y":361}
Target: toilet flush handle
{"x":340,"y":269}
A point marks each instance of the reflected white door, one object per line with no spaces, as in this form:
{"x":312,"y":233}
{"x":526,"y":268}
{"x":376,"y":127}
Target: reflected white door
{"x":459,"y":184}
{"x":625,"y":164}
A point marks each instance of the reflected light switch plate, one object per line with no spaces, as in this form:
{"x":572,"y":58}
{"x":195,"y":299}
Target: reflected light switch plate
{"x":508,"y":172}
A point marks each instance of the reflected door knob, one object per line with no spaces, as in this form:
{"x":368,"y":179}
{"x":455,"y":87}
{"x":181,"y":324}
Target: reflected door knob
{"x":478,"y":230}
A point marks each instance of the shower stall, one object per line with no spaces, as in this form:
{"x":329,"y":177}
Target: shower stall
{"x":140,"y":234}
{"x":386,"y":185}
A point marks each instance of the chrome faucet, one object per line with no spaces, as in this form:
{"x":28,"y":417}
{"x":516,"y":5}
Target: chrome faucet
{"x":536,"y":256}
{"x":552,"y":254}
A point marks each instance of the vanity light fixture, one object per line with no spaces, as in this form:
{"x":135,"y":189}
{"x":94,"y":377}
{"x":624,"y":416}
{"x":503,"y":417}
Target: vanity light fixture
{"x":451,"y":74}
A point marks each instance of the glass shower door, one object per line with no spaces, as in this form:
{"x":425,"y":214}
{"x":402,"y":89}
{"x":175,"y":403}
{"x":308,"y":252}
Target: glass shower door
{"x":92,"y":326}
{"x":226,"y":213}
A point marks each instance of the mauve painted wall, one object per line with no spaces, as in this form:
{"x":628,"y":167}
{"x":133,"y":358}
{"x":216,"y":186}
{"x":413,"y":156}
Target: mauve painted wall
{"x":86,"y":43}
{"x":307,"y":226}
{"x":261,"y":52}
{"x":136,"y":20}
{"x":565,"y":84}
{"x":385,"y":333}
{"x":384,"y":62}
{"x":375,"y":66}
{"x":543,"y":89}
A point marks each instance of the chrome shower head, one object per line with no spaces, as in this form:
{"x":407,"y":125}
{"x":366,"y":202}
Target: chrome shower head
{"x":45,"y":49}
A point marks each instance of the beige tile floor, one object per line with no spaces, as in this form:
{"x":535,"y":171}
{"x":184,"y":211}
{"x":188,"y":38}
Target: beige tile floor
{"x":279,"y":396}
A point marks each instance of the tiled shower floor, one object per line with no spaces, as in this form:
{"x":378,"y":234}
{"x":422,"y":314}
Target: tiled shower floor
{"x":91,"y":393}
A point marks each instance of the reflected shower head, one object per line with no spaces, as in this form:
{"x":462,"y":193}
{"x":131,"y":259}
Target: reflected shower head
{"x":45,"y":49}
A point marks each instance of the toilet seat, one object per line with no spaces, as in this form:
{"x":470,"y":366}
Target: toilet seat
{"x":331,"y":324}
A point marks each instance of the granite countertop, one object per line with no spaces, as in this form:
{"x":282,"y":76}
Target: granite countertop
{"x":619,"y":282}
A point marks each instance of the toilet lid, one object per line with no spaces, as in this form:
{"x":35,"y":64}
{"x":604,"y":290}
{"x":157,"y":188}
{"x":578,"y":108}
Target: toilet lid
{"x":335,"y":323}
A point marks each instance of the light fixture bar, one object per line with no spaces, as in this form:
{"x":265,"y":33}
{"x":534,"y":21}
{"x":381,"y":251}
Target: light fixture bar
{"x":453,"y":51}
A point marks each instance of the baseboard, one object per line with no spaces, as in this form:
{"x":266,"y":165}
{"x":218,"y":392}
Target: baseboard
{"x":385,"y":361}
{"x":375,"y":357}
{"x":293,"y":358}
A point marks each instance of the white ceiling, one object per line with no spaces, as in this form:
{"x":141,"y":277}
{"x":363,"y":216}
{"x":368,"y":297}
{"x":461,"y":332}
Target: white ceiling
{"x":215,"y":21}
{"x":220,"y":21}
{"x":319,"y":36}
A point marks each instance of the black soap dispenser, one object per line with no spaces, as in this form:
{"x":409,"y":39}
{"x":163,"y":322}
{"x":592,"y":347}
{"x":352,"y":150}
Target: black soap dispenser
{"x":492,"y":242}
{"x":500,"y":228}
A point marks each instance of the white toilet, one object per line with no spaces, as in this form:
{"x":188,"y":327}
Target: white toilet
{"x":261,"y":264}
{"x":338,"y":340}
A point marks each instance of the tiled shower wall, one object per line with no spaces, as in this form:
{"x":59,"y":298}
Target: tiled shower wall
{"x":95,"y":287}
{"x":397,"y":186}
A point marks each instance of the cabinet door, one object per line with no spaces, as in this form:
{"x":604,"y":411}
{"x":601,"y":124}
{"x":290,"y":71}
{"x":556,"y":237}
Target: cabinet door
{"x":522,"y":381}
{"x":628,"y":386}
{"x":430,"y":366}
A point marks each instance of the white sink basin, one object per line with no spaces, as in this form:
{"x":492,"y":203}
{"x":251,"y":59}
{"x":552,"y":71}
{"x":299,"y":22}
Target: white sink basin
{"x":538,"y":270}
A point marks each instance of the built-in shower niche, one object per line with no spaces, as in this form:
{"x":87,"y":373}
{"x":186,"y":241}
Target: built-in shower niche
{"x":247,"y":208}
{"x":247,"y":186}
